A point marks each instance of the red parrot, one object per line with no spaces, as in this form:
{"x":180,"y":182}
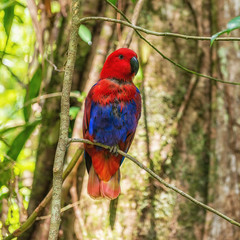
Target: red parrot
{"x":111,"y":114}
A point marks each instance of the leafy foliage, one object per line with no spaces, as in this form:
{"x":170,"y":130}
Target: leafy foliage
{"x":20,"y":140}
{"x":32,"y":92}
{"x":8,"y":18}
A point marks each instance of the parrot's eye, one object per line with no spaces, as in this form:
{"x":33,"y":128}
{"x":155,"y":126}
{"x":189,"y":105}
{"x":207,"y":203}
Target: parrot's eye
{"x":120,"y":56}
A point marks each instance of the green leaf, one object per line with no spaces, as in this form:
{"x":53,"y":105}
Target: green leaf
{"x":32,"y":92}
{"x":85,"y":34}
{"x":113,"y":212}
{"x":82,"y":97}
{"x":6,"y":167}
{"x":73,"y":111}
{"x":4,"y":130}
{"x":233,"y":24}
{"x":114,"y":2}
{"x":213,"y":38}
{"x":20,"y":140}
{"x":8,"y":19}
{"x":7,"y":4}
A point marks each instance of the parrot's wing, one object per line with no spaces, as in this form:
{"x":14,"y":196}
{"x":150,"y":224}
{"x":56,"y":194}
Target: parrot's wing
{"x":130,"y":134}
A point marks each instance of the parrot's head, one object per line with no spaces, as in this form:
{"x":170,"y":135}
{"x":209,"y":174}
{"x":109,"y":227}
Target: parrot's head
{"x":122,"y":64}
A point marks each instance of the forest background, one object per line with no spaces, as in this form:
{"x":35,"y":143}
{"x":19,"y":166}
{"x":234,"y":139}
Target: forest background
{"x":189,"y":132}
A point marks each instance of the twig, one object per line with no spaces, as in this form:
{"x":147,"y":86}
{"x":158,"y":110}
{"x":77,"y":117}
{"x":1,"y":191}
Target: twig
{"x":50,"y":95}
{"x":136,"y":13}
{"x":77,"y":212}
{"x":64,"y":124}
{"x":54,"y":66}
{"x":64,"y":209}
{"x":32,"y":7}
{"x":154,"y":175}
{"x":158,"y":34}
{"x":45,"y":96}
{"x":32,"y":218}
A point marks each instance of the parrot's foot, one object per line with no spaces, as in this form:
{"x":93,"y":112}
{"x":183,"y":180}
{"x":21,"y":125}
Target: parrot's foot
{"x":114,"y":150}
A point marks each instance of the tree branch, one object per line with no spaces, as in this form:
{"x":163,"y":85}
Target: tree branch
{"x":158,"y":34}
{"x":64,"y":124}
{"x":136,"y":13}
{"x":154,"y":175}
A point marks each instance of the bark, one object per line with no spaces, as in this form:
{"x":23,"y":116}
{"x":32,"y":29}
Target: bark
{"x":147,"y":216}
{"x":184,"y":98}
{"x":224,"y":190}
{"x":3,"y":217}
{"x":192,"y":152}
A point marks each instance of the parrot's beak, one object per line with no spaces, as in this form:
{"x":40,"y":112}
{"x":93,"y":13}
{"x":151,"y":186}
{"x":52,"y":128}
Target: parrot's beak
{"x":134,"y":65}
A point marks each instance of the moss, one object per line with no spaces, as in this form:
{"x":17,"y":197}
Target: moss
{"x":191,"y":169}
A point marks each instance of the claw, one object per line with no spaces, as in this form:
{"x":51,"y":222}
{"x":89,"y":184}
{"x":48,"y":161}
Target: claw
{"x":114,"y":150}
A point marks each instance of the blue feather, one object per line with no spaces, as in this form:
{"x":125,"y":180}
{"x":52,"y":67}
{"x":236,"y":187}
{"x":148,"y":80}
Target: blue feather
{"x":109,"y":124}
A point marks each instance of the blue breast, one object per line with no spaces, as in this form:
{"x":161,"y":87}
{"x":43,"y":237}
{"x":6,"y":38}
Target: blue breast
{"x":110,"y":124}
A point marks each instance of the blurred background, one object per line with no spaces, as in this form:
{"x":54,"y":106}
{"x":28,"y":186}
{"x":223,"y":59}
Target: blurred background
{"x":189,"y":132}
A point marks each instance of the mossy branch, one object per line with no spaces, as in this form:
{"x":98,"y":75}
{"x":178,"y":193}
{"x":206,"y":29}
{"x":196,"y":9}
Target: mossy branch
{"x":64,"y":124}
{"x":159,"y":179}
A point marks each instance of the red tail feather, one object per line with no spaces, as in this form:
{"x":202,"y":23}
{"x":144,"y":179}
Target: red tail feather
{"x":98,"y":188}
{"x":93,"y":184}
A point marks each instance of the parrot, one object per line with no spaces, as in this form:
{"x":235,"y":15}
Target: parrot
{"x":111,"y":113}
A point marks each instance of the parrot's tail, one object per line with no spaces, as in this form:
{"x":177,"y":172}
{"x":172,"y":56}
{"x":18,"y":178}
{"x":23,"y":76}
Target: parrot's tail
{"x":98,"y":188}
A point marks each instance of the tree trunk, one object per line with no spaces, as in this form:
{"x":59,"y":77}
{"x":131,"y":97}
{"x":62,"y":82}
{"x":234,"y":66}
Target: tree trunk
{"x":192,"y":152}
{"x":224,"y":190}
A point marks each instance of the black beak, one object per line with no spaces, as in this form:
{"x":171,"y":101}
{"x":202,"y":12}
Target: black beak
{"x":134,"y":65}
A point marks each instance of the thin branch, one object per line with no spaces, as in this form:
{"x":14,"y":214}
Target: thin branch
{"x":64,"y":209}
{"x":64,"y":124}
{"x":45,"y":96}
{"x":50,"y":95}
{"x":54,"y":66}
{"x":154,"y":175}
{"x":136,"y":13}
{"x":158,"y":34}
{"x":77,"y":211}
{"x":32,"y":218}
